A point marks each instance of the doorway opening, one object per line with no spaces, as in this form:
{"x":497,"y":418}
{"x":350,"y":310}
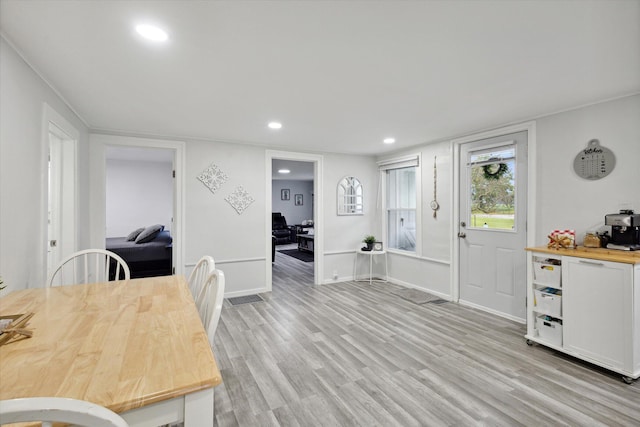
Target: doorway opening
{"x":294,"y":221}
{"x":140,"y":200}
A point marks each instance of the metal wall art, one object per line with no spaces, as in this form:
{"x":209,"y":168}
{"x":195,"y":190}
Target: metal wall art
{"x":240,"y":199}
{"x":594,"y":162}
{"x":213,"y":178}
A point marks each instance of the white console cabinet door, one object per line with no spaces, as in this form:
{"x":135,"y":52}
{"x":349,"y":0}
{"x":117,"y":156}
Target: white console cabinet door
{"x":598,"y":311}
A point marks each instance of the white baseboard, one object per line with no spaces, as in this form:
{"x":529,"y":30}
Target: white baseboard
{"x":245,"y":292}
{"x":420,"y":288}
{"x":395,"y":282}
{"x":494,"y":312}
{"x":338,"y":280}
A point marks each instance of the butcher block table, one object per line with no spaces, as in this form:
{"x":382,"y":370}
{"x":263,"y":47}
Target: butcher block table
{"x":137,"y":347}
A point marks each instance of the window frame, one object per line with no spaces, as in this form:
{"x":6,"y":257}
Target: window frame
{"x":468,"y":177}
{"x":414,"y":160}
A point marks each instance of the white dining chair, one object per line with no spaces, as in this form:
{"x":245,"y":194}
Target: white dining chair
{"x":89,"y":266}
{"x":200,"y":273}
{"x":209,"y":302}
{"x":60,"y":410}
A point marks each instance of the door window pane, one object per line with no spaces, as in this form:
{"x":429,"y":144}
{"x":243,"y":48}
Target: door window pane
{"x":492,"y":189}
{"x":401,"y":209}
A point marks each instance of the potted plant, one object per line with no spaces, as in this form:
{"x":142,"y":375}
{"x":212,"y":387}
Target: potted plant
{"x":369,"y":240}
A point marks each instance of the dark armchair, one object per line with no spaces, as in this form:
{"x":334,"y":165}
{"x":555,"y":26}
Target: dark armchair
{"x":279,"y":228}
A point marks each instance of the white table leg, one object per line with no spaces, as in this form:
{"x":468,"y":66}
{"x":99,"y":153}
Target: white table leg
{"x":198,"y":408}
{"x":370,"y":269}
{"x":386,"y":268}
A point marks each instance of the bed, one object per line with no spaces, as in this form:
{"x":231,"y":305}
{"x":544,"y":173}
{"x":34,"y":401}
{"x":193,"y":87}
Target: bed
{"x":145,"y":258}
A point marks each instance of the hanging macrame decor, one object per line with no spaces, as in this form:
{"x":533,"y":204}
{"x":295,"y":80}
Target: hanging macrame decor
{"x":434,"y":203}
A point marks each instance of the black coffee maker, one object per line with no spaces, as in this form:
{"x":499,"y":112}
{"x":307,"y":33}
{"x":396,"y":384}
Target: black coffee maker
{"x":625,"y":230}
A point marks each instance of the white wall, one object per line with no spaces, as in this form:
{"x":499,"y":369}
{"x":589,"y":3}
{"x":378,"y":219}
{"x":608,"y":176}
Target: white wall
{"x":343,"y":234}
{"x":568,"y":201}
{"x":214,"y":228}
{"x":237,"y":242}
{"x":22,"y":171}
{"x":139,"y":194}
{"x":293,"y":214}
{"x":431,"y":268}
{"x":563,"y":199}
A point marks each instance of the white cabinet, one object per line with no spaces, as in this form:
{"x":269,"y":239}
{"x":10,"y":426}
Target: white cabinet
{"x":593,"y":312}
{"x":598,"y":309}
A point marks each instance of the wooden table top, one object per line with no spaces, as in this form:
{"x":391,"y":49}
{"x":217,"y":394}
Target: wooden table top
{"x":602,"y":254}
{"x":123,"y":344}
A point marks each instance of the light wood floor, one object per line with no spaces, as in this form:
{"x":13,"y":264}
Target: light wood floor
{"x":351,"y":354}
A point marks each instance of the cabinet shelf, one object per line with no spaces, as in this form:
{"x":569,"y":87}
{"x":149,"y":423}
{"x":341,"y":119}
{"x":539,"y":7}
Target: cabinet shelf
{"x":546,"y":285}
{"x":537,"y":311}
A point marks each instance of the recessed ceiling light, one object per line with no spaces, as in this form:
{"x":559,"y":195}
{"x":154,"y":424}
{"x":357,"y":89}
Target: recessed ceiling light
{"x":389,"y":140}
{"x":152,"y":33}
{"x":275,"y":125}
{"x":284,"y":171}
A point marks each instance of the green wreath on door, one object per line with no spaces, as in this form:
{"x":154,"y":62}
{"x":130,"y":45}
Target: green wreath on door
{"x":494,"y":170}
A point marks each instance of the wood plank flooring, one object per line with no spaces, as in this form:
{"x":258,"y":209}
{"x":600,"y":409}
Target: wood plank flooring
{"x":353,"y":354}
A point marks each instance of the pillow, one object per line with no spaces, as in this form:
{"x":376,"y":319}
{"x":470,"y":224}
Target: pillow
{"x":163,"y":237}
{"x":149,"y":233}
{"x":132,"y":236}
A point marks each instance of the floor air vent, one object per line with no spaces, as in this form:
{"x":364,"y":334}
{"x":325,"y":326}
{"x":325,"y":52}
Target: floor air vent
{"x":245,"y":300}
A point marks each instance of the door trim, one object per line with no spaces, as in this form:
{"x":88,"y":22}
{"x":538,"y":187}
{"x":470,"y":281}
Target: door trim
{"x":456,"y":144}
{"x":98,"y":183}
{"x":318,"y":210}
{"x":52,"y":117}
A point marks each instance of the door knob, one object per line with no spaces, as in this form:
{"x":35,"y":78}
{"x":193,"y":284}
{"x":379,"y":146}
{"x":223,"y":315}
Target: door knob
{"x":462,"y":235}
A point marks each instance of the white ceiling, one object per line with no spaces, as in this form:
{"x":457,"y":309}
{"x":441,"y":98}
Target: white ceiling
{"x":301,"y":171}
{"x":339,"y":75}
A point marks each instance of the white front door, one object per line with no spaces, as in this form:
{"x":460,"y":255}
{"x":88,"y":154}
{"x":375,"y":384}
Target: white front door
{"x":492,"y":228}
